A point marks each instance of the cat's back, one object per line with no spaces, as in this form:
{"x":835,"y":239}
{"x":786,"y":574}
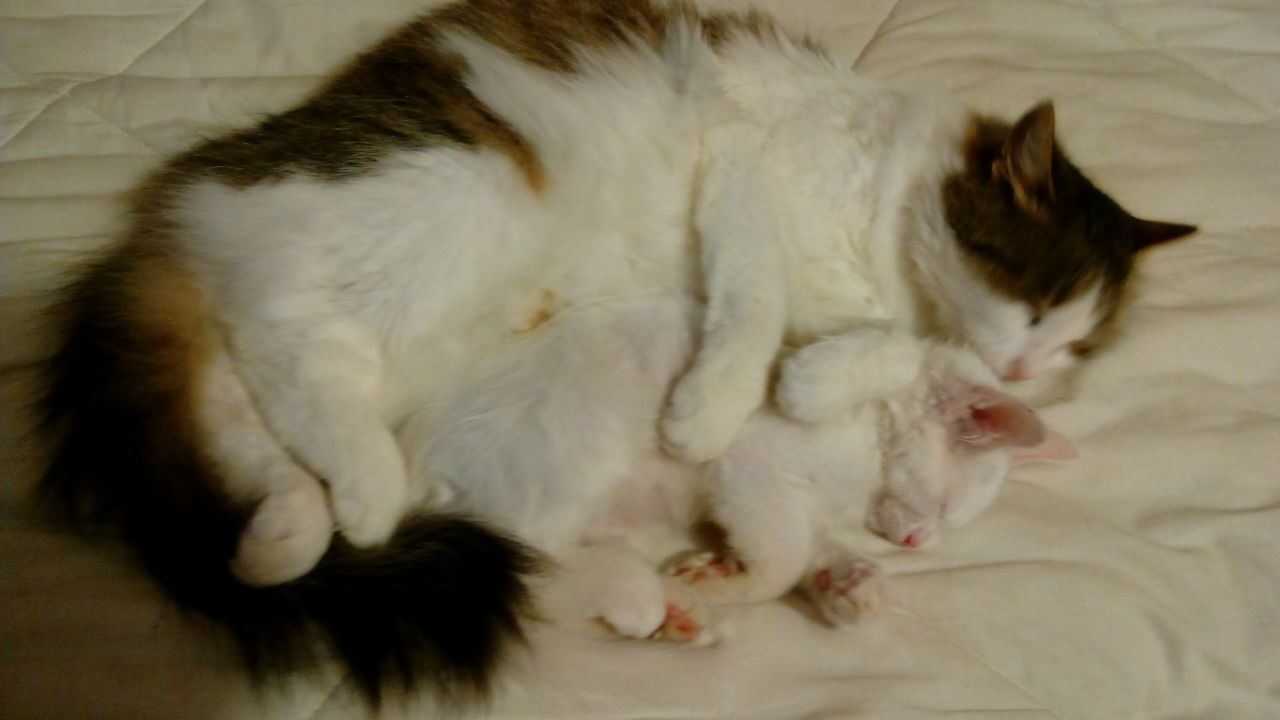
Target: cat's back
{"x":555,"y":90}
{"x":483,"y":143}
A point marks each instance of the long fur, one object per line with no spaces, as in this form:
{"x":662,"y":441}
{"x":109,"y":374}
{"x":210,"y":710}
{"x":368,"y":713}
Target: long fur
{"x":489,"y":166}
{"x":432,"y":609}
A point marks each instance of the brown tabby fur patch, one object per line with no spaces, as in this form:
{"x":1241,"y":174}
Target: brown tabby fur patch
{"x":404,"y":94}
{"x":547,"y":33}
{"x":408,"y":93}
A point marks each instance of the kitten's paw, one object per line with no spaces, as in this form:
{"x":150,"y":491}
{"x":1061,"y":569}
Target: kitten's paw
{"x":709,"y":572}
{"x":686,"y":618}
{"x":702,"y":418}
{"x":846,"y":589}
{"x":698,"y":567}
{"x":635,"y":616}
{"x":674,"y":613}
{"x":286,"y":537}
{"x":368,"y":513}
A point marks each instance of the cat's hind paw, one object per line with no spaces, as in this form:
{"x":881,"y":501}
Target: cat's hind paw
{"x":285,"y":538}
{"x":845,"y":589}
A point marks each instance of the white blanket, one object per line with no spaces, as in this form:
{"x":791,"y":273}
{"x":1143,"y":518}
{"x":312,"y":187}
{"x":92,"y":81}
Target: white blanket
{"x":1139,"y":582}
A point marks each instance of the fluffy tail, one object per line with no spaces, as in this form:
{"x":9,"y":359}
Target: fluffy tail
{"x":433,"y":609}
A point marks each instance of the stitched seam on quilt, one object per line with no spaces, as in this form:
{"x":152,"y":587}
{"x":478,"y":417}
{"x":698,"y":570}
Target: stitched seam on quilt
{"x":946,"y":637}
{"x":10,"y":136}
{"x":1154,"y":45}
{"x":875,"y":35}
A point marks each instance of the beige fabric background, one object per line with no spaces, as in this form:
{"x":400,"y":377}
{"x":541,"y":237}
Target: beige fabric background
{"x":1139,"y":582}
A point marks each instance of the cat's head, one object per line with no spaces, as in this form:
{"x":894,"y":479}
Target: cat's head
{"x":1044,"y":256}
{"x":951,"y":444}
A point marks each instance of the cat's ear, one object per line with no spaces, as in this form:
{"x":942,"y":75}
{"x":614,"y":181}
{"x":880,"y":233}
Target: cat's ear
{"x":1153,"y":232}
{"x":1054,"y":448}
{"x":1026,"y":159}
{"x":982,"y":417}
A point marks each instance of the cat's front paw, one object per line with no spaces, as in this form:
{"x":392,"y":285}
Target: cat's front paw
{"x":846,"y":589}
{"x":702,"y":419}
{"x":367,"y":514}
{"x":824,"y":381}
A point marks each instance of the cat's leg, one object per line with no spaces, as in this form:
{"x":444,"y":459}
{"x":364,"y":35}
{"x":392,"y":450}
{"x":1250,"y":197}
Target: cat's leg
{"x":291,"y":526}
{"x":842,"y":585}
{"x":769,"y":540}
{"x":315,"y":384}
{"x":744,"y":281}
{"x":613,"y":584}
{"x":823,"y":381}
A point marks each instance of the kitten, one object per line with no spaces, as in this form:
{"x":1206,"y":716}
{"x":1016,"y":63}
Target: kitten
{"x":289,"y":293}
{"x":555,"y":438}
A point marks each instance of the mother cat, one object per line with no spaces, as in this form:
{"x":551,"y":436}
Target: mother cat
{"x":289,"y":293}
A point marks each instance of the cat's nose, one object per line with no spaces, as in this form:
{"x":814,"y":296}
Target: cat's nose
{"x":1018,"y":371}
{"x":913,"y":539}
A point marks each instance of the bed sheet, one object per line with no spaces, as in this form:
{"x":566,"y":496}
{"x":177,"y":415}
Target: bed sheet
{"x":1140,"y":581}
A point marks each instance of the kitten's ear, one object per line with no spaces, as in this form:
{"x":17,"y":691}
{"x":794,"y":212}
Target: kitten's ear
{"x":983,"y":417}
{"x":1152,"y":232}
{"x":1054,"y":448}
{"x":1026,"y":160}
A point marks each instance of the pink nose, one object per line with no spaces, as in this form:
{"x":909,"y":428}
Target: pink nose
{"x":911,"y":541}
{"x":1017,"y":372}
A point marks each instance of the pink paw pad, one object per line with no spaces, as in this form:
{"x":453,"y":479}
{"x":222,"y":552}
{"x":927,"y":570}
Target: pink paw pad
{"x":822,"y":580}
{"x":704,"y":566}
{"x":846,"y":589}
{"x":679,"y":625}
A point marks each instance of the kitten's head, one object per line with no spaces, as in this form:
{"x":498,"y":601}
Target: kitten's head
{"x":1044,"y":257}
{"x":951,"y":444}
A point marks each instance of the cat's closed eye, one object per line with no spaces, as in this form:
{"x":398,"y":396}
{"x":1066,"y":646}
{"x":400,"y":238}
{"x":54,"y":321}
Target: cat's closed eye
{"x":1036,"y":317}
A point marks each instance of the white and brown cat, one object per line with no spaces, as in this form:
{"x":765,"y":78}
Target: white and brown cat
{"x":234,"y":373}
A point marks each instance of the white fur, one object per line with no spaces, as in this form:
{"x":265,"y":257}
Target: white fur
{"x":555,"y":440}
{"x":1046,"y":345}
{"x":798,"y":200}
{"x":291,"y":528}
{"x":825,"y":380}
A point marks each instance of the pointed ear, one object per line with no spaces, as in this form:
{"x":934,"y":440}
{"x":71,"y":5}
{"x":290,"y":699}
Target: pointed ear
{"x":983,"y":417}
{"x":1026,"y":160}
{"x":1054,"y":448}
{"x":1152,"y":232}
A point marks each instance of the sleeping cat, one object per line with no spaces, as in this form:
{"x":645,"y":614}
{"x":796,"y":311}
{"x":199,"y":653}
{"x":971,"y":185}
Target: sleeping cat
{"x":234,"y":372}
{"x":555,"y":438}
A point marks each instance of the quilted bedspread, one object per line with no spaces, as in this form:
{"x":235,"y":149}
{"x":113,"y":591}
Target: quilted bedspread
{"x":1140,"y":581}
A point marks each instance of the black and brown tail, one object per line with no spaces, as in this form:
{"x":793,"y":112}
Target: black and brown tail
{"x":433,"y":609}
